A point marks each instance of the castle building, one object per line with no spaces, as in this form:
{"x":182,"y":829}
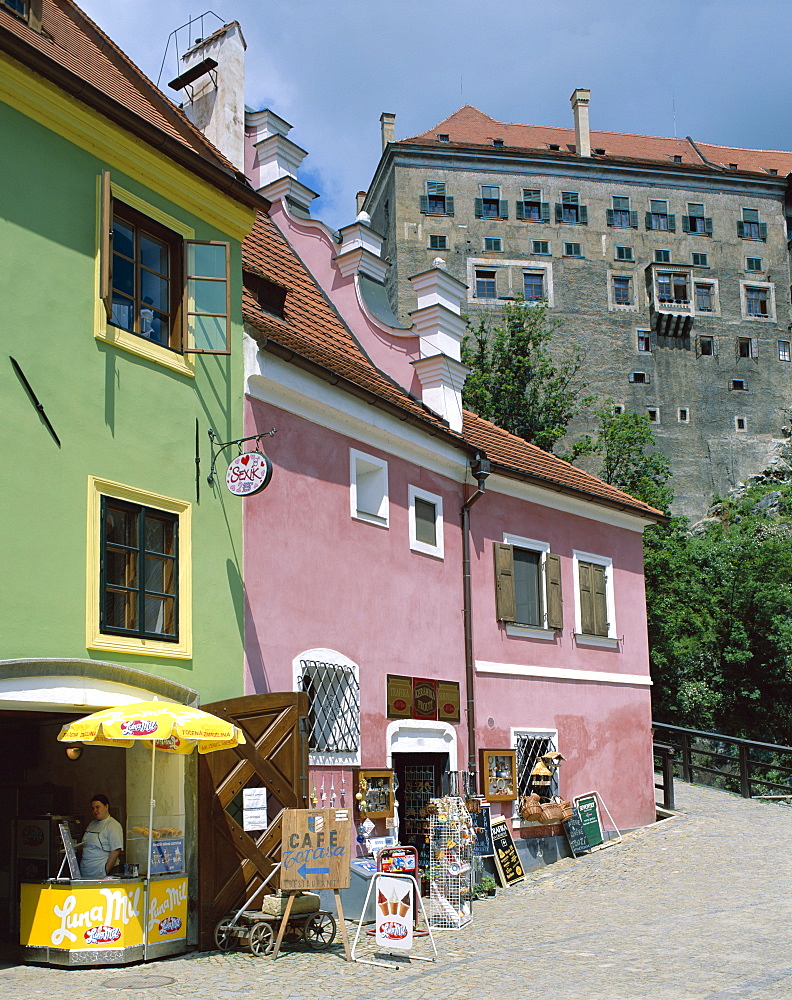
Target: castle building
{"x":665,"y":259}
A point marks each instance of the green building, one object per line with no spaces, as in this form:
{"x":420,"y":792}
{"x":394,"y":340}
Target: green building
{"x":121,"y":285}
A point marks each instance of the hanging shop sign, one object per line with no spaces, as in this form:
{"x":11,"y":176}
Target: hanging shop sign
{"x":315,"y":849}
{"x":447,"y":701}
{"x":400,"y":697}
{"x":507,"y":860}
{"x":248,"y":474}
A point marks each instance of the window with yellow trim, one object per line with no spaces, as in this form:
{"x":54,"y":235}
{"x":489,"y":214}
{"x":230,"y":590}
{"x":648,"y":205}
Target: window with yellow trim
{"x":139,"y":573}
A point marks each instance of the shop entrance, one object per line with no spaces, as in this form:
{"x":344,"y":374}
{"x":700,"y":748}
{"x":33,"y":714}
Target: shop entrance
{"x":420,"y":778}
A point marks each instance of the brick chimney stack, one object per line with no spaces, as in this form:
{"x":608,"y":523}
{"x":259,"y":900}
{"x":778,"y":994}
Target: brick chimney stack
{"x":580,"y":108}
{"x":388,"y":122}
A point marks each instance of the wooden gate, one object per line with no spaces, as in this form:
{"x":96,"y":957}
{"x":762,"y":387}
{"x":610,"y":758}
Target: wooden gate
{"x":232,"y":863}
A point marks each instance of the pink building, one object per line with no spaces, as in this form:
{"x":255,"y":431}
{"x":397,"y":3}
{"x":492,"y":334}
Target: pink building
{"x":455,"y":602}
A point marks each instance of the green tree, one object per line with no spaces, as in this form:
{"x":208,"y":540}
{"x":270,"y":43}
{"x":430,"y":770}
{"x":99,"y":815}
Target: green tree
{"x":514,"y":380}
{"x":626,"y":445}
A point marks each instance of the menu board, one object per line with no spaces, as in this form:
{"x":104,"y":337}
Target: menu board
{"x":576,"y":835}
{"x":71,"y":854}
{"x":507,"y":860}
{"x":589,"y":817}
{"x":481,"y":827}
{"x":315,"y":849}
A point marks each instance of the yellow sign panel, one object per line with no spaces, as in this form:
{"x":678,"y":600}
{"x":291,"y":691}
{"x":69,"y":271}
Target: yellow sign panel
{"x":96,"y":917}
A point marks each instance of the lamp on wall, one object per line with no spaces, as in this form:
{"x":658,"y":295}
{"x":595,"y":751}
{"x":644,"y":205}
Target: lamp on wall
{"x":74,"y":753}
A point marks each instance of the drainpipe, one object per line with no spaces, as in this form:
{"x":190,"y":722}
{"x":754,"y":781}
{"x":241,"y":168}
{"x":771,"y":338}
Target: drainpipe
{"x":480,"y":467}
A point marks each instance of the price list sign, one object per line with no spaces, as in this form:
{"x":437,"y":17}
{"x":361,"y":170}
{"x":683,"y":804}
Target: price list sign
{"x":507,"y":860}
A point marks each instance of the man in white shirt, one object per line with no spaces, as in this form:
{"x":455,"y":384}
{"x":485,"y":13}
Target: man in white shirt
{"x":103,"y":840}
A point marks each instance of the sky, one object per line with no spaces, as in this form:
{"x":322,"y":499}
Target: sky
{"x":717,"y":70}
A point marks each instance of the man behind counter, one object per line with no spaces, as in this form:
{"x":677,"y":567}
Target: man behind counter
{"x":103,"y":840}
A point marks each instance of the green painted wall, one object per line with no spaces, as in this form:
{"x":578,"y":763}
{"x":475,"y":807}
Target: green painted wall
{"x":118,"y":417}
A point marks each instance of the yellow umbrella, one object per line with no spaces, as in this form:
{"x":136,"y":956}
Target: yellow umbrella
{"x":166,"y":726}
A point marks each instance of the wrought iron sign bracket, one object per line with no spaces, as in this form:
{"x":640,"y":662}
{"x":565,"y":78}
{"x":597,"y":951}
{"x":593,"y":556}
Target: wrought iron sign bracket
{"x":219,"y":447}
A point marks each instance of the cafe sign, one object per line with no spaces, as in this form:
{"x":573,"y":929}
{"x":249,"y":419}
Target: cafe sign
{"x":248,"y":474}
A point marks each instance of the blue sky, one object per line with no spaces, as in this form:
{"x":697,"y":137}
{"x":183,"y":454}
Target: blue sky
{"x":330,"y":69}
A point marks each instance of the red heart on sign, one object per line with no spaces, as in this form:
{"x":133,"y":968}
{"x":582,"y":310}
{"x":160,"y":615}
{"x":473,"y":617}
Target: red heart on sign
{"x":245,"y":459}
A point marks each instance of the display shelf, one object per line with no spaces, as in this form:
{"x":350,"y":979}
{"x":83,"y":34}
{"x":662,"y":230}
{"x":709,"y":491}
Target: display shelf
{"x":451,"y":874}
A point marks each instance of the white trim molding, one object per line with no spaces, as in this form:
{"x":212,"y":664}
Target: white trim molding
{"x":438,"y":549}
{"x":562,"y":674}
{"x":417,"y":736}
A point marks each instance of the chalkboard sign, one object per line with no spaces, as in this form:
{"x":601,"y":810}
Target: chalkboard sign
{"x":590,"y":818}
{"x":507,"y":860}
{"x":576,"y":835}
{"x":481,"y":826}
{"x":71,"y":854}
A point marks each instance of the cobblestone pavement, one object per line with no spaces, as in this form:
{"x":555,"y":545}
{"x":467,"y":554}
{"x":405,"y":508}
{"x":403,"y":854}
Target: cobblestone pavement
{"x":697,"y":907}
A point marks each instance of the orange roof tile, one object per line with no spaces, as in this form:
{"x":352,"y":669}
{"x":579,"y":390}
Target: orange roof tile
{"x":71,"y":41}
{"x":312,"y":329}
{"x":469,"y":126}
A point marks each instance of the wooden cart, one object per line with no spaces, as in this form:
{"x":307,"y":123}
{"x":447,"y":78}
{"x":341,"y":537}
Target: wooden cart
{"x":258,"y":930}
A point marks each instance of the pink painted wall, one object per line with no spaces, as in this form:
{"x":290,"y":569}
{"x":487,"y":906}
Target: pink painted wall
{"x":313,"y":243}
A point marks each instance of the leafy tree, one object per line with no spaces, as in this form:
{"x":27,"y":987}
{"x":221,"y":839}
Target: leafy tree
{"x":625,"y":443}
{"x":514,"y":380}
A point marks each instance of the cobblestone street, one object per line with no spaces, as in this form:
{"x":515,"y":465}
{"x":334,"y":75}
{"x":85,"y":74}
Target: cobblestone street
{"x":697,"y":907}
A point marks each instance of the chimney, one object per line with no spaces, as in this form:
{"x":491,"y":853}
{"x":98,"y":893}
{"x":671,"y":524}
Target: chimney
{"x":388,"y":122}
{"x":216,"y":98}
{"x":274,"y":160}
{"x":360,"y":197}
{"x":580,"y":102}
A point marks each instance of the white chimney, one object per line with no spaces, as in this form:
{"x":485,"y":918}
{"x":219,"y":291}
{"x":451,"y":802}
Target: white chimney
{"x":440,"y":328}
{"x":216,"y":99}
{"x":388,"y":122}
{"x":580,"y":108}
{"x":276,"y":159}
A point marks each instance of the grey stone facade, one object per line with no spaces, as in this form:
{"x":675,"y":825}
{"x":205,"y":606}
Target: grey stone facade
{"x":696,"y":327}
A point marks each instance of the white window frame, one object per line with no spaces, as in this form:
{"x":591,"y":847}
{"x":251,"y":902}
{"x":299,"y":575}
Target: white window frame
{"x":769,"y":287}
{"x":751,"y":270}
{"x":333,"y":658}
{"x":715,"y":294}
{"x":573,"y":243}
{"x":686,"y":418}
{"x":509,"y":277}
{"x":540,"y":253}
{"x":615,"y":306}
{"x":656,"y":410}
{"x":532,"y":732}
{"x":786,"y":350}
{"x":744,"y":428}
{"x":437,"y":550}
{"x":514,"y":629}
{"x":362,"y":464}
{"x":645,"y":333}
{"x":611,"y":640}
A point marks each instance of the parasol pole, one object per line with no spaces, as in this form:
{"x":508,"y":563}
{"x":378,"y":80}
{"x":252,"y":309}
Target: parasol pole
{"x":147,"y":893}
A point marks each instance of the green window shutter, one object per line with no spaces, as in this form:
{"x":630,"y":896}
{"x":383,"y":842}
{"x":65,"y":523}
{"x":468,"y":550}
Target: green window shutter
{"x":207,"y":305}
{"x":545,"y":211}
{"x":555,"y":609}
{"x":648,"y":220}
{"x":634,"y":220}
{"x":479,"y":207}
{"x":609,"y":216}
{"x":600,"y":601}
{"x":762,"y":230}
{"x":741,"y":229}
{"x":519,"y":209}
{"x":685,"y":224}
{"x":672,"y":223}
{"x":504,"y":209}
{"x":586,"y":598}
{"x":559,"y":212}
{"x":106,"y":245}
{"x":505,"y":597}
{"x":449,"y":205}
{"x":708,"y":225}
{"x":424,"y":204}
{"x":583,"y":211}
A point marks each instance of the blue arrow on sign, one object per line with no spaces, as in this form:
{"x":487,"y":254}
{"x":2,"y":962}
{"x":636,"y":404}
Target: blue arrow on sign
{"x":304,"y":871}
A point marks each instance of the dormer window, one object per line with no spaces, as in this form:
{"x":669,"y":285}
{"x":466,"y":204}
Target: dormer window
{"x":19,"y":7}
{"x":553,"y":146}
{"x":497,"y":142}
{"x":270,"y":296}
{"x":443,"y":137}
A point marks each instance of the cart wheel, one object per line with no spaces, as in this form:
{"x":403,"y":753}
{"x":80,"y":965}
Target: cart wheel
{"x":320,"y":931}
{"x":261,"y":940}
{"x":224,"y":936}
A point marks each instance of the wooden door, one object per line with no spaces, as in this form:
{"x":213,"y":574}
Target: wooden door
{"x":233,"y":862}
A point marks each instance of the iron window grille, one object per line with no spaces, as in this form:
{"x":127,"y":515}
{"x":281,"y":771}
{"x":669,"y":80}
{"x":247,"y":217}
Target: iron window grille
{"x":333,"y":706}
{"x":530,"y":747}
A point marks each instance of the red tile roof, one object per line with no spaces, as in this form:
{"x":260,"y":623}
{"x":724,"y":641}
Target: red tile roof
{"x":314,"y":331}
{"x":75,"y":53}
{"x":471,"y":127}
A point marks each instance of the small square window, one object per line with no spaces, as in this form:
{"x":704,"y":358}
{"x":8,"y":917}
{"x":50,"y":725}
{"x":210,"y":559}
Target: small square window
{"x":738,"y":385}
{"x":492,"y":244}
{"x":773,"y":171}
{"x":706,"y":347}
{"x":753,"y":264}
{"x":644,"y":341}
{"x":700,"y":260}
{"x":740,"y":424}
{"x":640,"y":378}
{"x":654,"y":414}
{"x":533,"y":285}
{"x":624,"y":253}
{"x":485,"y":285}
{"x":438,"y":242}
{"x":369,"y":488}
{"x":618,"y":409}
{"x":442,"y":137}
{"x":572,"y":250}
{"x":743,"y":347}
{"x":732,"y":166}
{"x":425,"y":522}
{"x":683,"y":415}
{"x":783,"y":350}
{"x":541,"y":247}
{"x":677,"y":158}
{"x":497,"y":142}
{"x":662,"y":256}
